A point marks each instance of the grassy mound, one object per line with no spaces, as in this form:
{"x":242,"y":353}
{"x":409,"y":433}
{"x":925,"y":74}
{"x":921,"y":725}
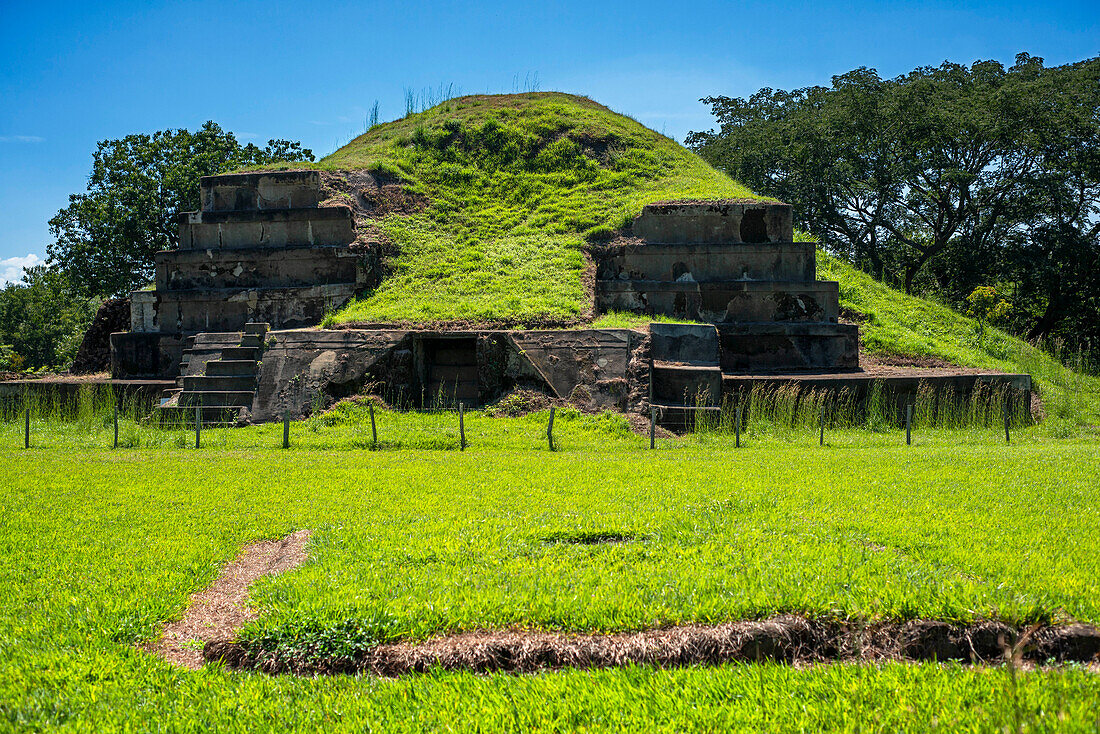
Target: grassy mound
{"x":517,"y":183}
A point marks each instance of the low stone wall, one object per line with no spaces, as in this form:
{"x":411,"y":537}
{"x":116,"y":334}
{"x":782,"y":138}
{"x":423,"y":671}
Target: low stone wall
{"x":303,"y":370}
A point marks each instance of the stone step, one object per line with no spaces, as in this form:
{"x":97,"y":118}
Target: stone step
{"x":686,"y":384}
{"x":776,"y":347}
{"x":255,"y":340}
{"x":228,"y":309}
{"x":231,"y":367}
{"x":715,"y":222}
{"x":217,"y":398}
{"x":260,"y":190}
{"x":255,"y":267}
{"x":223,"y":383}
{"x":238,"y":354}
{"x":724,"y":301}
{"x":277,"y":228}
{"x":773,"y":261}
{"x":691,"y":343}
{"x":257,"y":327}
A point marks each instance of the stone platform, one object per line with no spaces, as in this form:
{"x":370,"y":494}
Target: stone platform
{"x":734,"y":264}
{"x":261,"y":249}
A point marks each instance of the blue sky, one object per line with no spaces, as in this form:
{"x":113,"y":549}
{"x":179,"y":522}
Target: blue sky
{"x":72,"y":74}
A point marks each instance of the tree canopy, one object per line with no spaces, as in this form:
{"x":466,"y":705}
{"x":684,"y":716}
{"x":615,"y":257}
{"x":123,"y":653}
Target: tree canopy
{"x":942,"y":179}
{"x":107,"y":236}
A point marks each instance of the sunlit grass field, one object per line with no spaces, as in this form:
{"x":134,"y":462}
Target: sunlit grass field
{"x":98,"y":547}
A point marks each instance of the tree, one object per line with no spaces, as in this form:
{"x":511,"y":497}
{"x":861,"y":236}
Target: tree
{"x":105,"y":239}
{"x":42,"y":319}
{"x":948,"y":177}
{"x":986,"y":306}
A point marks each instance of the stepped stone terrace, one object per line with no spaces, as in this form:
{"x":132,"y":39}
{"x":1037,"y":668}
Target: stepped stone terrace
{"x":234,"y":311}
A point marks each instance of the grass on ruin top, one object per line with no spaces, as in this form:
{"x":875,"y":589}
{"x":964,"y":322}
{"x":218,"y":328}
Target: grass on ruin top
{"x":517,"y":184}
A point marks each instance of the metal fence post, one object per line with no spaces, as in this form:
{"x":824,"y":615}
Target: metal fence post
{"x":286,"y":428}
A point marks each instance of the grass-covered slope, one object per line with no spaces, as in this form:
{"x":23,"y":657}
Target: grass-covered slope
{"x":894,"y":323}
{"x":516,"y":183}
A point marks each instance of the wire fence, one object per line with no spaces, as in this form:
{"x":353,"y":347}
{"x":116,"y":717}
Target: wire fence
{"x":99,"y":418}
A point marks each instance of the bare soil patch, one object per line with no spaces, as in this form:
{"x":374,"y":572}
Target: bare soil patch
{"x":218,"y":612}
{"x":787,"y":639}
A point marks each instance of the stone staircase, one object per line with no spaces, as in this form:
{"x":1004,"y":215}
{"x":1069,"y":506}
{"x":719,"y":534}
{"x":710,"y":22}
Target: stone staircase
{"x":218,"y":376}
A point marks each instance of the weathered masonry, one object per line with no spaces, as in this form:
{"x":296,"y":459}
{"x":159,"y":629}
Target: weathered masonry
{"x":735,"y":265}
{"x":233,"y":314}
{"x":261,"y":249}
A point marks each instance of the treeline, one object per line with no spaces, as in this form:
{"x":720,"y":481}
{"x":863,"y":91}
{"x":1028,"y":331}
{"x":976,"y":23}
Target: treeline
{"x":106,"y":238}
{"x":942,"y":181}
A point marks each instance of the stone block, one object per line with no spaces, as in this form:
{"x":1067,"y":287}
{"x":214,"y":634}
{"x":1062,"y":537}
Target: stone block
{"x":777,"y":347}
{"x":723,"y":301}
{"x":698,"y":262}
{"x":274,"y":228}
{"x":715,"y":222}
{"x":193,"y":311}
{"x":677,"y":384}
{"x":689,"y":343}
{"x":148,"y":355}
{"x":255,"y":267}
{"x":260,"y":190}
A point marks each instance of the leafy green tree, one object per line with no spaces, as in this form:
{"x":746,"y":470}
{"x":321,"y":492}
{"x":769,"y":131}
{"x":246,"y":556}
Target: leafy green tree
{"x":106,"y":237}
{"x":945,"y":178}
{"x":42,"y":320}
{"x":986,"y":306}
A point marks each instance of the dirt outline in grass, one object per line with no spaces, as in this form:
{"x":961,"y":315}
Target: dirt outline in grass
{"x":219,"y":611}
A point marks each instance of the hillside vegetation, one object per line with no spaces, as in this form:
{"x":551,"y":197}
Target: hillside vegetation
{"x":516,"y":184}
{"x":894,"y":323}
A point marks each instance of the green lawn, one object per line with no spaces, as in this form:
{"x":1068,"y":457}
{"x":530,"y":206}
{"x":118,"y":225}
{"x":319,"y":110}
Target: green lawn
{"x":99,"y":547}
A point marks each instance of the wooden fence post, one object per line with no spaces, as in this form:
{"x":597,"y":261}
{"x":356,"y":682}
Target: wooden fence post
{"x":373,"y":429}
{"x":461,"y":427}
{"x":550,"y":429}
{"x":908,"y":425}
{"x":286,"y":428}
{"x":652,"y":426}
{"x":737,"y":425}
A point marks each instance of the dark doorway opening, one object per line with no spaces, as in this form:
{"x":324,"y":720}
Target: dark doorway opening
{"x":448,"y":372}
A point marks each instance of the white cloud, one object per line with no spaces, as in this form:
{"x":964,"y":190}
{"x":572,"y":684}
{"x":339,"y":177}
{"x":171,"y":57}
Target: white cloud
{"x":11,"y":268}
{"x":21,"y":139}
